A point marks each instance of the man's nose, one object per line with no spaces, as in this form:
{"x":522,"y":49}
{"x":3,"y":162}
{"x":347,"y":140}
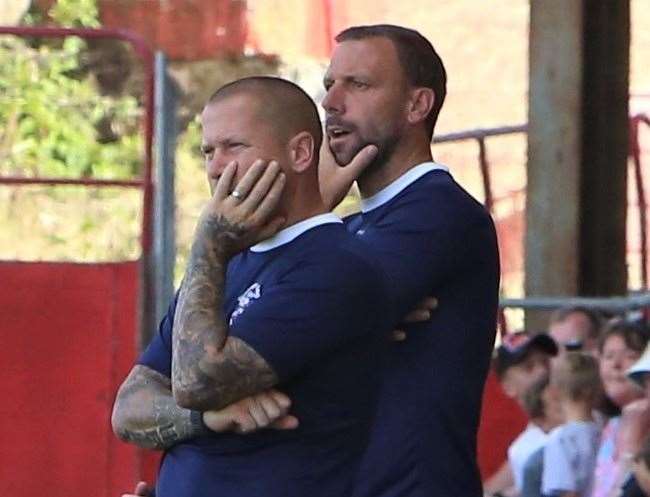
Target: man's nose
{"x":333,"y":102}
{"x":215,"y":165}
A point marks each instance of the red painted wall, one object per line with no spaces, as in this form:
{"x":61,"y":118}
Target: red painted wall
{"x":68,"y":340}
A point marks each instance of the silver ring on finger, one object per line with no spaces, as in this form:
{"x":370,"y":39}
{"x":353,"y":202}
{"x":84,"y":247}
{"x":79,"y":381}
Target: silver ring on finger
{"x":237,"y":194}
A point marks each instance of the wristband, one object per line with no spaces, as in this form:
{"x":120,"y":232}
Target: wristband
{"x":198,"y":425}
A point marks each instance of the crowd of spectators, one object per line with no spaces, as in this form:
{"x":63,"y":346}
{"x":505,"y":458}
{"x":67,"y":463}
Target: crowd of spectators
{"x":585,"y":388}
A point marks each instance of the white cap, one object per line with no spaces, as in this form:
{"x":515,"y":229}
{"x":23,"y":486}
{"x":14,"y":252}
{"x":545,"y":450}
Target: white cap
{"x":640,"y":367}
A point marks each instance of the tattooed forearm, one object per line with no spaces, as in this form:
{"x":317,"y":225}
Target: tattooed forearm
{"x":219,"y":380}
{"x":209,"y":369}
{"x":146,"y":414}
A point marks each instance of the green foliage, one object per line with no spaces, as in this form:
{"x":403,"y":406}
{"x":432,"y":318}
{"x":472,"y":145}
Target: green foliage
{"x":76,"y":13}
{"x":49,"y":117}
{"x":50,"y":112}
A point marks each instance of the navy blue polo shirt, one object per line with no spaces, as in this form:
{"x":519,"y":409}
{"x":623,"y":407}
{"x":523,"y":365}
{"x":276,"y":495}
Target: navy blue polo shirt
{"x":431,"y":238}
{"x":313,"y":307}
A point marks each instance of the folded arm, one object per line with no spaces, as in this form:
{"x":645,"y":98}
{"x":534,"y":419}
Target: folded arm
{"x":146,"y":414}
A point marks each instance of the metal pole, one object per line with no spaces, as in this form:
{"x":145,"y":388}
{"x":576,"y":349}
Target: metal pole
{"x":613,"y":304}
{"x":164,"y":241}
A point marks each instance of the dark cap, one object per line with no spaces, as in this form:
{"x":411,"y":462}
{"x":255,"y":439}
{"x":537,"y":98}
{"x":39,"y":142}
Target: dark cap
{"x":515,"y":347}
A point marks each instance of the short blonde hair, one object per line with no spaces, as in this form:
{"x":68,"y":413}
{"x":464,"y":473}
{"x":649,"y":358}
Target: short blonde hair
{"x":577,"y":377}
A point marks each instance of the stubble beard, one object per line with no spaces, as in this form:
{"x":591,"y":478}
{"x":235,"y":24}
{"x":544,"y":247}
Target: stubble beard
{"x":385,"y":150}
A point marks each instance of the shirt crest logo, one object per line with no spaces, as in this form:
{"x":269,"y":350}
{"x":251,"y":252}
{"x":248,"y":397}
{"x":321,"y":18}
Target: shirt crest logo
{"x":253,"y":292}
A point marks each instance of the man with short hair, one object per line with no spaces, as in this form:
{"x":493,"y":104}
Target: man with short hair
{"x":385,"y":88}
{"x":521,"y":360}
{"x":302,"y":311}
{"x":576,"y":328}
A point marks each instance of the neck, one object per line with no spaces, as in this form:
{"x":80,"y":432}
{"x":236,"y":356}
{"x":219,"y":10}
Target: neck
{"x":407,"y":154}
{"x":306,"y":214}
{"x":305,"y":202}
{"x":577,"y":410}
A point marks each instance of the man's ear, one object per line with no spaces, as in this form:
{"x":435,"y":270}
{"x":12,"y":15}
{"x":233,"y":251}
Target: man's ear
{"x":420,"y":104}
{"x":302,"y":151}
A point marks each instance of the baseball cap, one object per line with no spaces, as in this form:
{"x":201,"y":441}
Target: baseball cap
{"x":515,"y":347}
{"x":640,"y":367}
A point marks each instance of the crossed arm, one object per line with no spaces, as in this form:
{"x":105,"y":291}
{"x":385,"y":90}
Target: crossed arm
{"x":146,"y":413}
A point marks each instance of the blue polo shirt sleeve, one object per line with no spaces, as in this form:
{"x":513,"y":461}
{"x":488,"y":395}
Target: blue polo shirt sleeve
{"x":158,"y":354}
{"x":313,"y":310}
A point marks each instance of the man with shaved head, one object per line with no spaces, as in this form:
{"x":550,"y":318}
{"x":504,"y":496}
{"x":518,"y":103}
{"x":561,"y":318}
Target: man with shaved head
{"x":301,"y":311}
{"x":279,"y":102}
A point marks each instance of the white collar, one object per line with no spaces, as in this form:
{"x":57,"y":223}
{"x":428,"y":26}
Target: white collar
{"x":292,"y":232}
{"x":406,"y":179}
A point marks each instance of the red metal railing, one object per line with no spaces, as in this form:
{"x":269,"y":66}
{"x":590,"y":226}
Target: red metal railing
{"x":145,"y":181}
{"x":480,"y":136}
{"x":635,"y":154}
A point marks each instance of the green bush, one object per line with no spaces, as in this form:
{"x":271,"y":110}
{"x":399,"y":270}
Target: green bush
{"x":50,"y":111}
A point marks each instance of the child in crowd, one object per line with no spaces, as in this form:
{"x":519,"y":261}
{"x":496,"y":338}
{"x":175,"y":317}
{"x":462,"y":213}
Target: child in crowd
{"x":570,"y":451}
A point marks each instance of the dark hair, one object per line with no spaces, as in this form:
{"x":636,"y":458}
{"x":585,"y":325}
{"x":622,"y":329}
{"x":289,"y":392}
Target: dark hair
{"x":532,"y":400}
{"x":422,"y":65}
{"x":595,"y":318}
{"x":281,"y":99}
{"x":634,"y":335}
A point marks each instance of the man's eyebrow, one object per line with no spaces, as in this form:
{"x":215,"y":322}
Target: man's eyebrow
{"x":347,"y":78}
{"x":220,"y":142}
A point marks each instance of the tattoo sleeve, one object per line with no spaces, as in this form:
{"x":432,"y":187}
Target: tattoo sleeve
{"x":146,"y":414}
{"x":211,"y":370}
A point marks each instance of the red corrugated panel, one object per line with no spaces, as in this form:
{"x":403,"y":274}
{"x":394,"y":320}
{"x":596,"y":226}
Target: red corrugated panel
{"x":68,"y":340}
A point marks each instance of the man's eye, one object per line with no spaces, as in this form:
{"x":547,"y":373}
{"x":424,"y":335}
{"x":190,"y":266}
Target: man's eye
{"x":360,"y":85}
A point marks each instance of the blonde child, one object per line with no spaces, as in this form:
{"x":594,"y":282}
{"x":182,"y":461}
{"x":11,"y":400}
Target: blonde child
{"x":570,"y":452}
